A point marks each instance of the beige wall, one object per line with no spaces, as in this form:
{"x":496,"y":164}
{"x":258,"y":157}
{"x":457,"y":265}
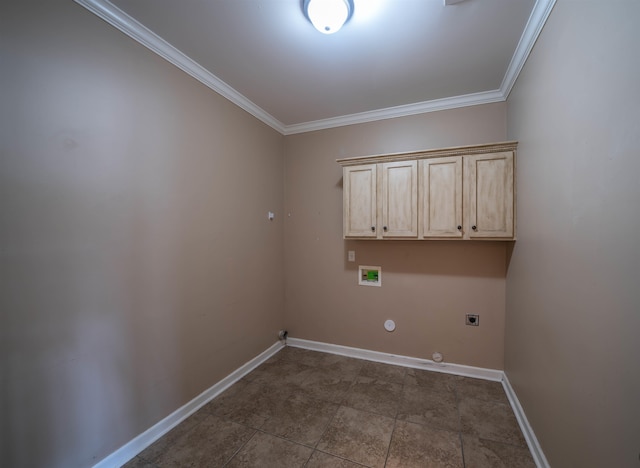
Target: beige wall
{"x":427,"y":287}
{"x":572,"y":346}
{"x":137,"y":264}
{"x":133,"y":207}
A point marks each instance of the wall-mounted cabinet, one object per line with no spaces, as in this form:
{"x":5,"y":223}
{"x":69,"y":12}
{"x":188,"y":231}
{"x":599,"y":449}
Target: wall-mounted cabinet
{"x":451,"y":193}
{"x":380,"y":200}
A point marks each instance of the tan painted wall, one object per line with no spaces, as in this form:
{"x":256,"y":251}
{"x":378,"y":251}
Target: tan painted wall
{"x":427,"y":286}
{"x":572,"y":346}
{"x":137,"y":264}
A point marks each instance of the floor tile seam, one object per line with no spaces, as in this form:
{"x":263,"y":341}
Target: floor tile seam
{"x":386,"y":459}
{"x":434,"y":427}
{"x":458,"y":434}
{"x":308,"y":377}
{"x":501,"y":442}
{"x":344,"y":393}
{"x":255,"y":431}
{"x":378,"y":380}
{"x":498,"y":402}
{"x":341,"y":457}
{"x":224,"y":419}
{"x":457,"y":399}
{"x":309,"y":458}
{"x":488,"y":439}
{"x":312,"y":447}
{"x":344,"y":405}
{"x":172,"y":444}
{"x":326,"y":428}
{"x":229,"y":419}
{"x":464,"y":459}
{"x":325,"y":400}
{"x":263,"y":430}
{"x":462,"y":431}
{"x":312,"y":398}
{"x":429,"y":390}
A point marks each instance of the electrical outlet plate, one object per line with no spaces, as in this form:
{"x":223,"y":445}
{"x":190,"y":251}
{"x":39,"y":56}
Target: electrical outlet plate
{"x":472,"y":319}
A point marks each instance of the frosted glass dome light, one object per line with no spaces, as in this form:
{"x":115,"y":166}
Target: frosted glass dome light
{"x":328,"y":16}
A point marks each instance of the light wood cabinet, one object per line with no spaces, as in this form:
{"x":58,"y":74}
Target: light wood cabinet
{"x":380,"y":200}
{"x":399,"y":199}
{"x":489,"y":181}
{"x":360,"y":201}
{"x":451,"y":193}
{"x":441,"y":197}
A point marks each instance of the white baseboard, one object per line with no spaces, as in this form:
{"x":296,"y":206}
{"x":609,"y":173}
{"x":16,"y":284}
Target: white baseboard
{"x":426,"y":364}
{"x":527,"y":430}
{"x":142,"y":441}
{"x":406,"y":361}
{"x":148,"y":437}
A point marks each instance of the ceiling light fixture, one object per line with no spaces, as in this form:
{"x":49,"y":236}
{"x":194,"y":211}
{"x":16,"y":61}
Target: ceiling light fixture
{"x":328,"y":16}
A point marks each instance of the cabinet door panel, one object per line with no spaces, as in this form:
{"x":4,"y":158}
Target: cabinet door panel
{"x":441,"y":197}
{"x":490,"y":186}
{"x":400,"y":199}
{"x":359,"y":210}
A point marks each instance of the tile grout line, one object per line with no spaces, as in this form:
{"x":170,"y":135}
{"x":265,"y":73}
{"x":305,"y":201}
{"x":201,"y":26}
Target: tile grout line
{"x":386,"y":459}
{"x":154,"y":462}
{"x":240,"y":448}
{"x":326,"y":428}
{"x":461,"y":392}
{"x":460,"y":437}
{"x":395,"y":418}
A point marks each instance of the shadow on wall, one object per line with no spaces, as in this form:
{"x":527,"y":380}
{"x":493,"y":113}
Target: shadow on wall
{"x":433,"y":257}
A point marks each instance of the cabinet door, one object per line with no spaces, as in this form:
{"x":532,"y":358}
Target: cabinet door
{"x":441,"y":197}
{"x":359,"y":201}
{"x":489,"y":181}
{"x":399,"y":195}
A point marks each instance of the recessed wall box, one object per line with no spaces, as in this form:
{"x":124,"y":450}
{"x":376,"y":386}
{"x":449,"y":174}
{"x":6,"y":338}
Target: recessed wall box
{"x":369,"y":275}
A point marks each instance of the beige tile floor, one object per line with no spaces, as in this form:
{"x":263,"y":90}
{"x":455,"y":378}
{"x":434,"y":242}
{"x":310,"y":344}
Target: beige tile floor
{"x":308,"y":409}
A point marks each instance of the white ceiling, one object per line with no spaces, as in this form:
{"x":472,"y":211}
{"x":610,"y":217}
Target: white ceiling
{"x":394,"y":57}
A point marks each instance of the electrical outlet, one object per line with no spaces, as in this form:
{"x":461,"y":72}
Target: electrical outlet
{"x":473,"y":320}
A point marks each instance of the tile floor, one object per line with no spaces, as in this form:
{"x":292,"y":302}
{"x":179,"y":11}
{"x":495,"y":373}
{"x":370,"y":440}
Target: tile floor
{"x":303,"y":408}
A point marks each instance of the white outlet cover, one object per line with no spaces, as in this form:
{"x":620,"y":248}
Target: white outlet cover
{"x":389,"y":325}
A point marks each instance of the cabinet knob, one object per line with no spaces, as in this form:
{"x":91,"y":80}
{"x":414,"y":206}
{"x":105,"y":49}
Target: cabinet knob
{"x":459,"y":228}
{"x":373,"y":228}
{"x":475,"y":228}
{"x":384,"y":228}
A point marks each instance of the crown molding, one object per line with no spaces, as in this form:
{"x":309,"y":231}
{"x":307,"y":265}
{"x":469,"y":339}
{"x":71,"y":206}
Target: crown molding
{"x":537,"y":19}
{"x":536,"y":22}
{"x":138,"y":32}
{"x":398,"y":111}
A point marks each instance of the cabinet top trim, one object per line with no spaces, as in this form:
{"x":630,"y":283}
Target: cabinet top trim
{"x":432,"y":153}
